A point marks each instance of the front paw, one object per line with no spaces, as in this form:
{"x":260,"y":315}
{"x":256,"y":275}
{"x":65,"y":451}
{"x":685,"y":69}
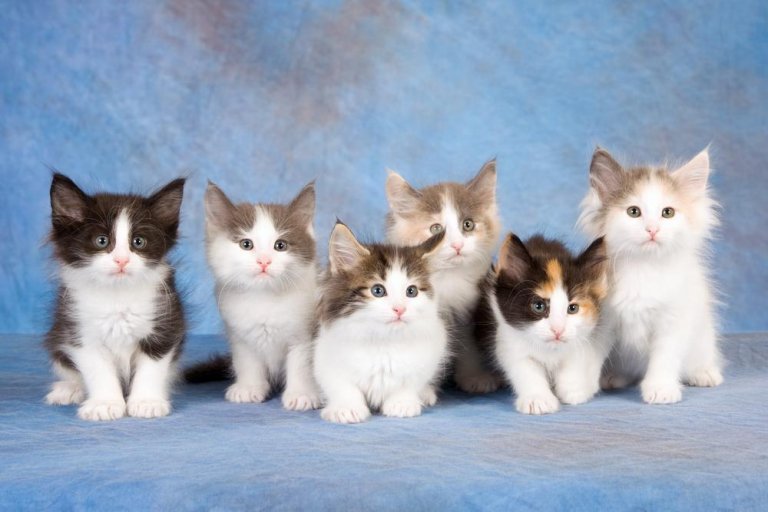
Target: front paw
{"x":301,"y":400}
{"x":575,"y":396}
{"x":65,"y":393}
{"x":101,"y":410}
{"x":537,"y":404}
{"x":706,"y":378}
{"x":428,"y":396}
{"x":660,"y":392}
{"x":345,"y":415}
{"x":478,"y":382}
{"x":242,"y":393}
{"x":401,"y":408}
{"x":148,"y":408}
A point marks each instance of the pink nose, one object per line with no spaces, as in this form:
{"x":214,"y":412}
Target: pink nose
{"x":652,"y":232}
{"x":557,"y":332}
{"x":458,"y":246}
{"x":399,"y":310}
{"x":121,"y":261}
{"x":264,"y":263}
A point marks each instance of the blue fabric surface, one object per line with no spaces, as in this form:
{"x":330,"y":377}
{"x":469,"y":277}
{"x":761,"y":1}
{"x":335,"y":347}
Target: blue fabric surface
{"x":262,"y":97}
{"x":709,"y":452}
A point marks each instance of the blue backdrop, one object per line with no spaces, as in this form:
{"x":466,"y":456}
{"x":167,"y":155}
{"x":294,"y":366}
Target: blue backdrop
{"x":264,"y":96}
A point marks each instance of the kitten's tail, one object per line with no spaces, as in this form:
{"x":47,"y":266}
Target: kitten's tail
{"x":217,"y":367}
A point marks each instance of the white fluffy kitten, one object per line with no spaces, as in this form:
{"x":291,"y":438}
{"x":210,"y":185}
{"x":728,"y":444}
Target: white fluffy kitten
{"x":660,"y":307}
{"x":263,"y":259}
{"x":381,"y":341}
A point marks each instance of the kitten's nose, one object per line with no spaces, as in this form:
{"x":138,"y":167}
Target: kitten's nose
{"x":121,"y":261}
{"x":652,"y":232}
{"x":264,"y":262}
{"x":458,"y":246}
{"x":558,"y":332}
{"x":399,"y":310}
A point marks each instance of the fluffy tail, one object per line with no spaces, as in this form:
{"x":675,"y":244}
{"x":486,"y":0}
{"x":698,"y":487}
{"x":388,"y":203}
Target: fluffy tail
{"x":217,"y":367}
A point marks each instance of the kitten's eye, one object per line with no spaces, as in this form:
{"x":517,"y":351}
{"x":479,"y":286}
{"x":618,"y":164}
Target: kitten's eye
{"x":139,"y":242}
{"x":633,"y":211}
{"x":246,"y":244}
{"x":573,"y":308}
{"x":668,"y":212}
{"x":411,"y":291}
{"x":281,"y":245}
{"x":101,"y":241}
{"x":538,"y":306}
{"x":436,"y":228}
{"x":468,"y":225}
{"x":378,"y":290}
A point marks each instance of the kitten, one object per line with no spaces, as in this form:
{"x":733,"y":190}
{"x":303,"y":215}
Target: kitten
{"x":380,"y":341}
{"x":660,"y":307}
{"x":467,"y":214}
{"x":263,"y":259}
{"x":118,"y":324}
{"x":538,"y":319}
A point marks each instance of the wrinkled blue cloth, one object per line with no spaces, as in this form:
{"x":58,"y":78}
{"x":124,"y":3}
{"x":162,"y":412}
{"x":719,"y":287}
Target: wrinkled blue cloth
{"x":469,"y":452}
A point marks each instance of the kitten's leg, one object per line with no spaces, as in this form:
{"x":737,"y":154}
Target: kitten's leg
{"x":69,"y":389}
{"x":578,"y":379}
{"x":251,"y":376}
{"x":428,"y":395}
{"x":105,"y":394}
{"x":530,"y":383}
{"x":301,"y":393}
{"x":150,"y":387}
{"x":704,"y":362}
{"x":404,"y":403}
{"x":661,"y":384}
{"x":470,"y":373}
{"x":345,"y":402}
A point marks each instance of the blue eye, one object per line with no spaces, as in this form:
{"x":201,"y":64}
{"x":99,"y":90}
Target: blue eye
{"x":538,"y":306}
{"x":378,"y":290}
{"x":101,"y":241}
{"x":246,"y":244}
{"x":411,"y":291}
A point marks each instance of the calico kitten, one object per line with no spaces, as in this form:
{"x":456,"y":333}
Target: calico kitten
{"x":660,"y":307}
{"x":118,"y":324}
{"x":467,"y":215}
{"x":380,"y":341}
{"x":538,"y":320}
{"x":263,"y":259}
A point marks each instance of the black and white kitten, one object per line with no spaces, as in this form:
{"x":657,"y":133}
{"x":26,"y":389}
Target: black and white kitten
{"x":119,"y":325}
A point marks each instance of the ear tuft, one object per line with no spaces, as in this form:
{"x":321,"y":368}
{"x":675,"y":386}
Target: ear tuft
{"x":402,"y":197}
{"x":165,"y":204}
{"x":219,"y":210}
{"x":68,"y":202}
{"x":484,"y":183}
{"x":514,"y":259}
{"x":606,"y":175}
{"x":344,"y":251}
{"x":694,"y":175}
{"x":429,"y":246}
{"x":303,"y":205}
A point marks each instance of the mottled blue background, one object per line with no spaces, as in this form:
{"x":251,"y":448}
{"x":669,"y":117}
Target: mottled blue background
{"x":264,"y":96}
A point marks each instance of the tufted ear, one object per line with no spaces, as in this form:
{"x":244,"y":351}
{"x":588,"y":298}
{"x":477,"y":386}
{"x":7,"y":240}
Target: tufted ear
{"x":431,"y":244}
{"x":693,"y":176}
{"x":514,"y":259}
{"x":165,"y":204}
{"x":606,"y":176}
{"x":402,"y":197}
{"x":68,"y":202}
{"x":219,"y":210}
{"x":303,"y":205}
{"x":344,"y":251}
{"x":483,"y":185}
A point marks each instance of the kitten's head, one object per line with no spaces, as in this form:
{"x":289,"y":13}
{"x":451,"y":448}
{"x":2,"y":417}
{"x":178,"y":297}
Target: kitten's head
{"x":543,"y":289}
{"x":260,"y":245}
{"x":648,"y":211}
{"x":113,"y":238}
{"x":384,"y":286}
{"x":466,"y":213}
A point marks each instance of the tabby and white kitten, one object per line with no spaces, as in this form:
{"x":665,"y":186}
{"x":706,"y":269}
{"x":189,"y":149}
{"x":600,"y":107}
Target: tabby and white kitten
{"x":263,"y":259}
{"x":660,"y":307}
{"x":538,"y":320}
{"x":380,"y":342}
{"x":467,"y":215}
{"x":118,"y":326}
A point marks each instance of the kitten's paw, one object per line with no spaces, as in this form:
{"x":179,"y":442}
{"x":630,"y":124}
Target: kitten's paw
{"x":658,"y":393}
{"x":478,"y":383}
{"x":301,"y":400}
{"x":241,"y":393}
{"x":345,"y":415}
{"x":706,"y":378}
{"x":610,"y":381}
{"x":401,"y":408}
{"x":428,"y":396}
{"x":575,"y":396}
{"x":537,"y":404}
{"x":65,"y":392}
{"x":98,"y":410}
{"x":148,"y":408}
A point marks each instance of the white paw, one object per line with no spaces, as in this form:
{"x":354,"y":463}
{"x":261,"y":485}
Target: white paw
{"x":148,"y":408}
{"x":707,"y":378}
{"x":241,"y":393}
{"x":345,"y":414}
{"x":660,"y":393}
{"x":478,"y":383}
{"x":537,"y":404}
{"x":401,"y":408}
{"x":99,"y":410}
{"x":428,"y":396}
{"x":575,"y":396}
{"x":300,"y":400}
{"x":65,"y":392}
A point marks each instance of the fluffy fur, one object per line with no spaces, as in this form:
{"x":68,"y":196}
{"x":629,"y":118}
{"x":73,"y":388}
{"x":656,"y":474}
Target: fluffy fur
{"x":467,"y":214}
{"x":538,"y":320}
{"x":660,"y":308}
{"x":118,"y":320}
{"x":263,"y":260}
{"x":381,"y":341}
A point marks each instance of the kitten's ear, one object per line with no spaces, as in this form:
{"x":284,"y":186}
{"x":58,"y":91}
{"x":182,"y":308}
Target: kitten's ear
{"x":303,"y":205}
{"x":693,"y":176}
{"x":483,"y":185}
{"x":402,"y":197}
{"x":514,"y":258}
{"x":68,"y":202}
{"x":430,"y":246}
{"x":594,"y":263}
{"x":606,"y":175}
{"x":344,"y":251}
{"x":218,"y":208}
{"x":165,"y":204}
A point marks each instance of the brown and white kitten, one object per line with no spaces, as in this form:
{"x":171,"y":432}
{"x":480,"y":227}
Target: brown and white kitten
{"x":467,"y":214}
{"x":381,"y":342}
{"x":538,"y":321}
{"x":119,"y":324}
